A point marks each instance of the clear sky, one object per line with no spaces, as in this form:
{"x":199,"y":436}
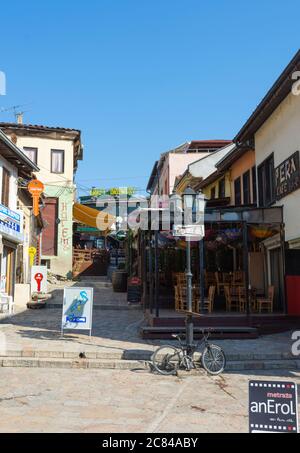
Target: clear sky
{"x":139,"y":77}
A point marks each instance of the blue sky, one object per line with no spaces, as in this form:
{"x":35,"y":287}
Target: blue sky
{"x":139,"y":77}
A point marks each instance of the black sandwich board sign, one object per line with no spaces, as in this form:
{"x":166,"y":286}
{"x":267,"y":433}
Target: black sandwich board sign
{"x":273,"y":407}
{"x":134,"y":290}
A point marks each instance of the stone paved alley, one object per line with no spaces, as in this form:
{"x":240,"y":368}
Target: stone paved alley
{"x":34,"y":400}
{"x":33,"y":338}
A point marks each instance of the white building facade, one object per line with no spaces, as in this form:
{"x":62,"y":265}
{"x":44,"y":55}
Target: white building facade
{"x":56,"y":152}
{"x":14,"y":167}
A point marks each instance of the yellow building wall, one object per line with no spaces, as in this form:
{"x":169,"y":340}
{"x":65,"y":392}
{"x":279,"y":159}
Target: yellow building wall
{"x":207,"y":189}
{"x":238,"y":168}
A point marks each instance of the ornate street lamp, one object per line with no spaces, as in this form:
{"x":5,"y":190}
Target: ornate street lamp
{"x":189,"y":197}
{"x":189,"y":222}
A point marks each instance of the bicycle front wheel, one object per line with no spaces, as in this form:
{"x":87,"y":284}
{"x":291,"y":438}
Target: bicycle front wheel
{"x":166,"y":360}
{"x":213,"y":359}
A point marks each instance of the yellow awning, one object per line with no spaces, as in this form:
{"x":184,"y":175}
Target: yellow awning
{"x":92,"y":217}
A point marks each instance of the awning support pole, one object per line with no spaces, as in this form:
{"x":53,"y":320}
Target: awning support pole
{"x":156,"y":274}
{"x":246,"y":267}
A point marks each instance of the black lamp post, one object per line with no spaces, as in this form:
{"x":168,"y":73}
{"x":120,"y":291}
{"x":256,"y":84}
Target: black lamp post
{"x":189,"y":209}
{"x":189,"y":197}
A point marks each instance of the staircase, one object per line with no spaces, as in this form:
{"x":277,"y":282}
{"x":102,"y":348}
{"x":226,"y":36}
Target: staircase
{"x":104,"y":296}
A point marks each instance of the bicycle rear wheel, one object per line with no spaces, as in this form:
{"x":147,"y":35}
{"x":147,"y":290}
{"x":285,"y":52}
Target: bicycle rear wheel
{"x":213,"y":359}
{"x":166,"y":360}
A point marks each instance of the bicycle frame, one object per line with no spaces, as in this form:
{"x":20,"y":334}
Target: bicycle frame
{"x":188,"y":351}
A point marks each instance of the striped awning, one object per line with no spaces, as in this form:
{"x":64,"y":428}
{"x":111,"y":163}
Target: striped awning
{"x":93,"y":218}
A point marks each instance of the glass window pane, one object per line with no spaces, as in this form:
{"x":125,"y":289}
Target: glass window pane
{"x":31,"y":153}
{"x":57,"y":161}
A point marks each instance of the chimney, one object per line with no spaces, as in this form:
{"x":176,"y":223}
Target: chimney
{"x":19,"y":118}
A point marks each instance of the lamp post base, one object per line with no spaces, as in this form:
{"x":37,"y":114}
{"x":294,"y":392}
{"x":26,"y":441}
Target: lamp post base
{"x":189,"y":331}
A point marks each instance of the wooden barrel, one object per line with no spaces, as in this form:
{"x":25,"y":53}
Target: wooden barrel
{"x":119,"y":281}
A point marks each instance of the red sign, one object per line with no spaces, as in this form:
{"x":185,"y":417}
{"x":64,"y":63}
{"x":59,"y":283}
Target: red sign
{"x":38,"y":278}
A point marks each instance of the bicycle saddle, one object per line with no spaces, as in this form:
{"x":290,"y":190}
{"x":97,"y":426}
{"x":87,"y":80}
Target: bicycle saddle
{"x":177,"y":336}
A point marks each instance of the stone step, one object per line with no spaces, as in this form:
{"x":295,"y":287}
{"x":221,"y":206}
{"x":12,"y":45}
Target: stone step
{"x":97,"y":286}
{"x":122,"y":360}
{"x":96,"y":306}
{"x":22,"y":362}
{"x":263,"y":365}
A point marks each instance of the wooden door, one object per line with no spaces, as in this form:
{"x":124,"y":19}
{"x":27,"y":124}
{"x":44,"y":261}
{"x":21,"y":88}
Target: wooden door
{"x":10,"y":271}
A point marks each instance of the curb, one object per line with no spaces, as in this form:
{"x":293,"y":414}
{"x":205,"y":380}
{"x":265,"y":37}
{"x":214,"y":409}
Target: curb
{"x":136,"y":354}
{"x":13,"y":362}
{"x":58,"y":306}
{"x":118,"y":363}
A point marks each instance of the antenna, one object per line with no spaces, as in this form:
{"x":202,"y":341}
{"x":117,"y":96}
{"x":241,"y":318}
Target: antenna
{"x":18,"y":114}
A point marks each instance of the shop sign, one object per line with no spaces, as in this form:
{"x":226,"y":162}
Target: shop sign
{"x":39,"y":279}
{"x":287,"y":176}
{"x":35,"y":188}
{"x":31,"y":253}
{"x":77,"y":309}
{"x":113,"y":191}
{"x":273,"y":407}
{"x":134,"y":290}
{"x":10,"y":223}
{"x":121,"y":235}
{"x":189,"y":231}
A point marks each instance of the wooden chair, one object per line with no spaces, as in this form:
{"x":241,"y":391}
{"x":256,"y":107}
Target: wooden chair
{"x":227,"y":297}
{"x":177,"y":299}
{"x":182,"y":299}
{"x":227,"y":278}
{"x":209,"y":302}
{"x":266,"y":303}
{"x":238,"y":277}
{"x":180,"y":278}
{"x":232,"y":295}
{"x":210,"y":279}
{"x":218,"y":282}
{"x":242,"y":298}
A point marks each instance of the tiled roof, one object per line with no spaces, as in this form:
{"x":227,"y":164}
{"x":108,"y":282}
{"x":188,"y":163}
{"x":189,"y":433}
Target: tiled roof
{"x":37,"y":127}
{"x":209,"y":143}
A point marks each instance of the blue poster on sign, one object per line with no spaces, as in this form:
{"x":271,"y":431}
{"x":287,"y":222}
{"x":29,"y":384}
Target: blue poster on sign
{"x":77,"y":308}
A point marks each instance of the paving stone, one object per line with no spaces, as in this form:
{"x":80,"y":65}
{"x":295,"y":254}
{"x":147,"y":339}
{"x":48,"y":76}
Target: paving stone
{"x":16,"y":362}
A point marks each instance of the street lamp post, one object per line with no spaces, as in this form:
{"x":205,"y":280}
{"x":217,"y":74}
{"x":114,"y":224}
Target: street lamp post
{"x":200,"y":206}
{"x":189,"y":197}
{"x":190,"y":209}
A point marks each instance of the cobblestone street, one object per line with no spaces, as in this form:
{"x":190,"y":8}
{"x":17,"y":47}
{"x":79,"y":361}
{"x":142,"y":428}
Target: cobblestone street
{"x":36,"y":400}
{"x":32,"y":338}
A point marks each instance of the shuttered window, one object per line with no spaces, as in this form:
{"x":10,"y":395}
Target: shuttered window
{"x":49,"y":233}
{"x":5,"y":187}
{"x":246,"y":187}
{"x":254,"y":185}
{"x":237,"y":192}
{"x":222,"y":188}
{"x":266,"y":190}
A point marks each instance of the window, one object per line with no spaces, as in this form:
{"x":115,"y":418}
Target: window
{"x":57,"y":161}
{"x":254,"y":192}
{"x":237,"y":192}
{"x":5,"y":187}
{"x":265,"y":173}
{"x":31,"y":153}
{"x":246,"y":187}
{"x":222,"y":188}
{"x":213,"y":193}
